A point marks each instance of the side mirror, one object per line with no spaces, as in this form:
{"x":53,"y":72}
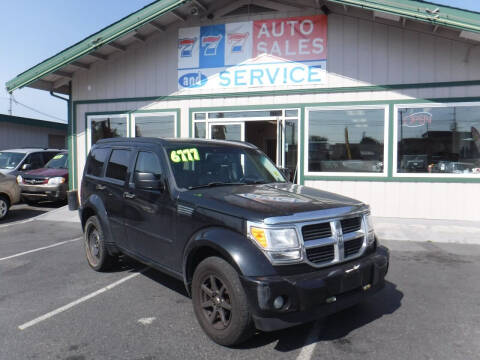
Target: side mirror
{"x":149,"y":181}
{"x":287,"y":173}
{"x":26,"y":167}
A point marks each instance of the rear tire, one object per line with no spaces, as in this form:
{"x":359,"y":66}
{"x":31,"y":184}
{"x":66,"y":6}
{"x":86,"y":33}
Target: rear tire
{"x":97,"y":253}
{"x":4,"y":206}
{"x":220,"y":303}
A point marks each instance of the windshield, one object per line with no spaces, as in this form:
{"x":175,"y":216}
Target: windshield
{"x":59,"y":161}
{"x":201,"y":165}
{"x":10,"y":160}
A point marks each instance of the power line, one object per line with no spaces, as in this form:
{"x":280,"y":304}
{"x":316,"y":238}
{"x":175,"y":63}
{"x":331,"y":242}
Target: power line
{"x":36,"y":110}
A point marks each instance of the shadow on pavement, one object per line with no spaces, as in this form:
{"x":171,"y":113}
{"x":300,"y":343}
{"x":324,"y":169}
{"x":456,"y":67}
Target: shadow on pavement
{"x":22,"y":212}
{"x":334,"y":327}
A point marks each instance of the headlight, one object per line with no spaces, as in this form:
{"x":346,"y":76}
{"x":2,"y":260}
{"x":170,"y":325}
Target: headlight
{"x":19,"y":179}
{"x":56,"y":181}
{"x":281,"y":245}
{"x":370,"y":230}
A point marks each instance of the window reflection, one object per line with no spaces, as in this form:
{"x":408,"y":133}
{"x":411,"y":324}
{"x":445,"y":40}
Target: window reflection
{"x":161,"y":126}
{"x":346,"y":140}
{"x":108,"y":127}
{"x":439,"y":140}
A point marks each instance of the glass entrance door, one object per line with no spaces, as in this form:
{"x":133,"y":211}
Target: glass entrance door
{"x":227,"y":131}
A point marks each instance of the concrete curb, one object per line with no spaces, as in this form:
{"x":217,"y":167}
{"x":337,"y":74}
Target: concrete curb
{"x":442,"y":231}
{"x":60,"y":214}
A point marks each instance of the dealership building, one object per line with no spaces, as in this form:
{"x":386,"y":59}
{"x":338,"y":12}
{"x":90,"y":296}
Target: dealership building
{"x":376,"y":100}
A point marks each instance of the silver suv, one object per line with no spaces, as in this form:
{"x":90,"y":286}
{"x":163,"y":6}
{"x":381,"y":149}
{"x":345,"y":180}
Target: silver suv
{"x":17,"y":161}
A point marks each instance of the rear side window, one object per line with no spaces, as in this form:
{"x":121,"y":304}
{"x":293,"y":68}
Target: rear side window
{"x":118,"y":165}
{"x":35,"y":160}
{"x":95,"y":161}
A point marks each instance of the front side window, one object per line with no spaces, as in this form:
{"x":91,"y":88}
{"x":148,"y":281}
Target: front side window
{"x":148,"y":162}
{"x":159,"y":126}
{"x":10,"y":160}
{"x":202,"y":165}
{"x":107,"y":127}
{"x":95,"y":161}
{"x":346,"y":140}
{"x":118,"y":165}
{"x":441,"y":140}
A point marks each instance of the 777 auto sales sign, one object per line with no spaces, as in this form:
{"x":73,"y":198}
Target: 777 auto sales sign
{"x":262,"y":53}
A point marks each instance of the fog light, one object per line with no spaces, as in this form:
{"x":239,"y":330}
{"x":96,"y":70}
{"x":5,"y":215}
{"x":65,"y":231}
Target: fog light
{"x":278,"y":302}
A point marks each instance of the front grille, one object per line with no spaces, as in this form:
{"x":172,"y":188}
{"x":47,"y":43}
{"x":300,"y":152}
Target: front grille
{"x":351,"y":225}
{"x":321,"y":254}
{"x":352,"y":247}
{"x":34,"y":181}
{"x":316,"y":231}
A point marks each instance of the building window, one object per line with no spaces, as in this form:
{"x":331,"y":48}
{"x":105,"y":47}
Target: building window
{"x":106,"y":126}
{"x":347,"y":140}
{"x":439,"y":139}
{"x":159,"y":125}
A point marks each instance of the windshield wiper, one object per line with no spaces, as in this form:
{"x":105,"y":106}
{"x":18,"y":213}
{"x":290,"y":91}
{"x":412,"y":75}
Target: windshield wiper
{"x":215,"y":183}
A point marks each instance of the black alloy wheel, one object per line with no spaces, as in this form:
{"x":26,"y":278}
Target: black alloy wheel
{"x":220,"y":302}
{"x":216,"y":303}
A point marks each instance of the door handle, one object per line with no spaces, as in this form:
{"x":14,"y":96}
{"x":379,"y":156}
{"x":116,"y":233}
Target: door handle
{"x":128,"y":195}
{"x":100,"y":187}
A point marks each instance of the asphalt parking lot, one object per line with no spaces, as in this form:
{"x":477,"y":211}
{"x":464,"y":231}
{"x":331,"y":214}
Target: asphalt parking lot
{"x":53,"y":306}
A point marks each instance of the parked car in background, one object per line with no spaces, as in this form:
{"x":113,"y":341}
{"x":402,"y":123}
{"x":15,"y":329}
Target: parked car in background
{"x":9,"y":193}
{"x":18,"y":161}
{"x":49,"y":183}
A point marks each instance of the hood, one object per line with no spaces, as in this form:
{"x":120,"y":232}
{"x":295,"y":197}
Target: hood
{"x":46,"y":173}
{"x":258,"y":202}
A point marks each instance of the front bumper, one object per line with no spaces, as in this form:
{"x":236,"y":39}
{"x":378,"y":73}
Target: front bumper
{"x":44,"y":192}
{"x":313,"y":295}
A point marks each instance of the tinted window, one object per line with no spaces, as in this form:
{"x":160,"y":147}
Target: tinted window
{"x":118,"y":165}
{"x":148,"y":163}
{"x":35,"y":160}
{"x":95,"y":161}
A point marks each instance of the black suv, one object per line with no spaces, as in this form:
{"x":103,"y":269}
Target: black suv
{"x":253,"y":250}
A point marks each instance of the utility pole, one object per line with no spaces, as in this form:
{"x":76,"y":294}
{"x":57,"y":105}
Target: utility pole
{"x":10,"y":100}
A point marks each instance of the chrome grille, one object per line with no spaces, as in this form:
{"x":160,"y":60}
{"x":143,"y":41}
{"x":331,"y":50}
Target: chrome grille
{"x":316,"y":231}
{"x":333,"y":242}
{"x":351,"y":225}
{"x":321,"y":254}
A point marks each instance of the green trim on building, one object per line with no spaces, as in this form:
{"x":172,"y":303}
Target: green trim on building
{"x":32,"y":122}
{"x":421,"y":11}
{"x":302,"y":106}
{"x":341,"y":89}
{"x":93,"y":42}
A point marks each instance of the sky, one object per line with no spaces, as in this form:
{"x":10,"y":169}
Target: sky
{"x":34,"y":30}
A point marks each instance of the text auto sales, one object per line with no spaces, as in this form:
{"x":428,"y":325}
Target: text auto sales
{"x":286,"y":40}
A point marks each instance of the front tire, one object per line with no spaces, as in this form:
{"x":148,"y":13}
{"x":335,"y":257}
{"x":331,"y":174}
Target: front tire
{"x":4,"y":206}
{"x":220,"y":303}
{"x":98,"y":256}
